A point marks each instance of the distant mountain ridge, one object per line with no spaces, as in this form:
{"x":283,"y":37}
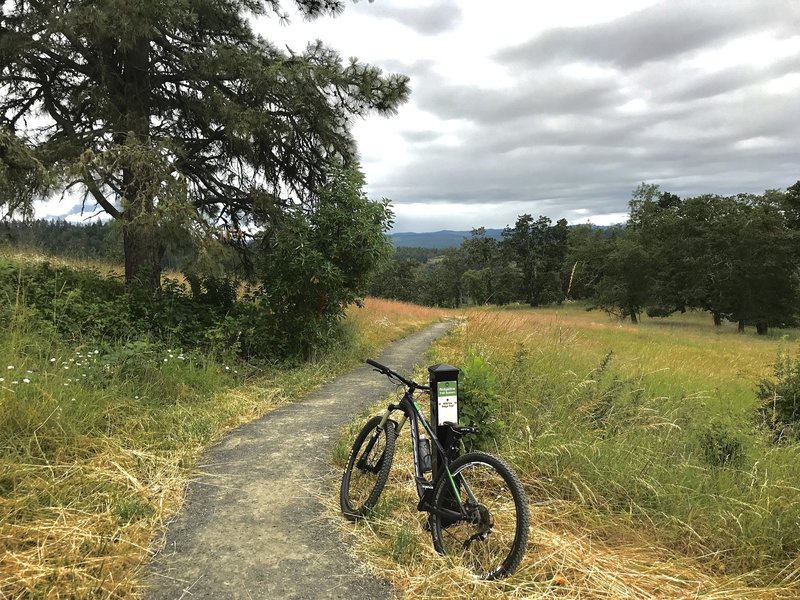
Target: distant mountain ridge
{"x":436,"y":239}
{"x":447,"y":238}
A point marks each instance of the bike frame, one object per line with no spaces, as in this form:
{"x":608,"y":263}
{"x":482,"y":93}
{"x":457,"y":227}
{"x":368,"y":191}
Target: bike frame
{"x":412,"y":413}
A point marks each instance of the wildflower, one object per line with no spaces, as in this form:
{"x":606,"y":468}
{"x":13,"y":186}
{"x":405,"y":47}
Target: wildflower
{"x":15,"y":382}
{"x":136,"y":397}
{"x":72,"y":399}
{"x":66,"y":367}
{"x":97,"y":351}
{"x":10,"y":367}
{"x":29,"y":371}
{"x":52,"y":360}
{"x":227,"y":368}
{"x":166,"y":359}
{"x":26,"y":380}
{"x":2,"y":379}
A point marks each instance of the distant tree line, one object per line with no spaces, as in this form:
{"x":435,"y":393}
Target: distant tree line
{"x":97,"y":240}
{"x":734,"y":256}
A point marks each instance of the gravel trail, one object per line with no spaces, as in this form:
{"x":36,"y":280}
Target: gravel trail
{"x":252,"y":526}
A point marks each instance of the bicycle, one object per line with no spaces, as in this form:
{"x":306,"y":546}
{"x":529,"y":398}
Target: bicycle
{"x":478,"y":509}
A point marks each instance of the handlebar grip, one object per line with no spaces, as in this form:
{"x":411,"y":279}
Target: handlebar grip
{"x":377,"y":365}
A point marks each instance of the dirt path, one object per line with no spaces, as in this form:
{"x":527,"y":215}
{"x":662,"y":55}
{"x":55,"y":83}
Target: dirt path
{"x":252,"y":526}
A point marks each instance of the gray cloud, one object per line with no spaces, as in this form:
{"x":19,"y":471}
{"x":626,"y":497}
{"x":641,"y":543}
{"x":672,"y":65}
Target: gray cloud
{"x":433,"y":19}
{"x":420,"y":136}
{"x":660,"y":32}
{"x":566,"y":145}
{"x":549,"y":94}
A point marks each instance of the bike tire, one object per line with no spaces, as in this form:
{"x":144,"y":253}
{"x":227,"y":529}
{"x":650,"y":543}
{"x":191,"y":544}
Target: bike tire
{"x":502,"y":516}
{"x":362,"y":486}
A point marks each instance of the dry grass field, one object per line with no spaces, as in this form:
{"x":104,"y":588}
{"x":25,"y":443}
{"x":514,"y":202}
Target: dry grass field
{"x":97,"y":443}
{"x":616,"y":430}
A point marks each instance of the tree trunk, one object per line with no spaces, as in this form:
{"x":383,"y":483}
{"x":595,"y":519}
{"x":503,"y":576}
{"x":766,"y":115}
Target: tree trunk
{"x":717,"y":319}
{"x":143,"y":253}
{"x":741,"y":325}
{"x":762,"y":327}
{"x":634,"y":318}
{"x":143,"y":244}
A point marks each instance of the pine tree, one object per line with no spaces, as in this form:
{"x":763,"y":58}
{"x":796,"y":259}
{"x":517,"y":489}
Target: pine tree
{"x":174,"y":117}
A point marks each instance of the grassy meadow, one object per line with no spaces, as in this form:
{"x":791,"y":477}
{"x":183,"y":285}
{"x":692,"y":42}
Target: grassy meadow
{"x":97,"y":441}
{"x":647,"y":473}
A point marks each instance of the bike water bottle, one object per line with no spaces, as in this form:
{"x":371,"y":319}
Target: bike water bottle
{"x":424,"y":454}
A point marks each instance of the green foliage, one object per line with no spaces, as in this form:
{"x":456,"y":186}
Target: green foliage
{"x":733,"y":256}
{"x":22,"y":175}
{"x":479,"y":404}
{"x":251,"y":131}
{"x":539,"y":249}
{"x":93,"y":241}
{"x":319,"y":262}
{"x":779,"y":407}
{"x":624,"y":289}
{"x":722,"y":445}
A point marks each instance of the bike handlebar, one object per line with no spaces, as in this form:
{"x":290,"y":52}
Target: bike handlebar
{"x":384,"y":370}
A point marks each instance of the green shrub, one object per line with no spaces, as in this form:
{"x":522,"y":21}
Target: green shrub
{"x":479,"y":404}
{"x":779,"y":406}
{"x":722,"y":445}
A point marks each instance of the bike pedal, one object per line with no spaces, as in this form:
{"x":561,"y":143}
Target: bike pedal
{"x":427,"y":525}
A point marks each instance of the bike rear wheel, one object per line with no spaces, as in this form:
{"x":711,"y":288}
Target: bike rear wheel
{"x":367,"y":468}
{"x":491,"y":541}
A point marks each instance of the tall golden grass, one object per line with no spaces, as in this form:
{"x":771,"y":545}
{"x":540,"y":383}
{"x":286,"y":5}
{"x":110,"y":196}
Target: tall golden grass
{"x":605,"y":425}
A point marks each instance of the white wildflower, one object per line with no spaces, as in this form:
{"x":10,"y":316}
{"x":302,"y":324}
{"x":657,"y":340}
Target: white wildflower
{"x":52,"y":360}
{"x":26,"y":380}
{"x":10,"y":367}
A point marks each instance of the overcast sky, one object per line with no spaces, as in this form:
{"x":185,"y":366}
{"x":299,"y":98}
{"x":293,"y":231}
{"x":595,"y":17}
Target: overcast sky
{"x":563,"y":108}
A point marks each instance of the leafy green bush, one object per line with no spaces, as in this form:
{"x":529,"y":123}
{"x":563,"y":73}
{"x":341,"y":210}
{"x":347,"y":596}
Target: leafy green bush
{"x":318,"y":262}
{"x":80,"y":305}
{"x":479,"y":404}
{"x":779,"y":407}
{"x":722,"y":445}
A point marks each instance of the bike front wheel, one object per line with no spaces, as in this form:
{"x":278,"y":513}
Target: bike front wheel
{"x":491,"y":540}
{"x":367,"y":468}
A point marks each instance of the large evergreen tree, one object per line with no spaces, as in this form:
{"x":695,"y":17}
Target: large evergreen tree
{"x":173,"y":116}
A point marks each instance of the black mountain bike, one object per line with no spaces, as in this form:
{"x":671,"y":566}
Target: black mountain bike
{"x":478,"y":509}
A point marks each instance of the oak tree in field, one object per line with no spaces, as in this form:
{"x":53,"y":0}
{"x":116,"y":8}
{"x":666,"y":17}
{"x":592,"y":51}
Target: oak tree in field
{"x":539,"y":249}
{"x":174,"y":117}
